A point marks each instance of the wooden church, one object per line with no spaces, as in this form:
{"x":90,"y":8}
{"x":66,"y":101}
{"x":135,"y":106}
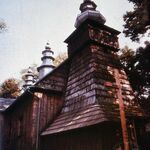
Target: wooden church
{"x":86,"y":103}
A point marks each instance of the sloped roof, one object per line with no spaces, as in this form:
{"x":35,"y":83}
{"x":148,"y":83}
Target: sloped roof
{"x":91,"y":101}
{"x":28,"y":93}
{"x":86,"y":116}
{"x":5,"y":103}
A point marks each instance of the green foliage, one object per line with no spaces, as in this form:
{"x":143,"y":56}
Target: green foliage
{"x":137,"y":67}
{"x":10,"y":88}
{"x":137,"y":64}
{"x":126,"y":55}
{"x":137,"y":22}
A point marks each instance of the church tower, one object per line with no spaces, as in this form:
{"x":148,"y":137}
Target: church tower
{"x":93,"y":47}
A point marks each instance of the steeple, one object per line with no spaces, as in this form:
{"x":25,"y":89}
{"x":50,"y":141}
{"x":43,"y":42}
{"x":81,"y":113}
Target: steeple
{"x":88,"y":11}
{"x":47,"y":62}
{"x":29,"y":78}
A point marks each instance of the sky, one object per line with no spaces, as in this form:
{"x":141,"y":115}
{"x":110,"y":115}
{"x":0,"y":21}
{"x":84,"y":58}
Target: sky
{"x":33,"y":23}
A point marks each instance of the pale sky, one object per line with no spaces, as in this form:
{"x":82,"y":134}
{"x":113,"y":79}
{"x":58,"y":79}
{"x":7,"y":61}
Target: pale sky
{"x":31,"y":23}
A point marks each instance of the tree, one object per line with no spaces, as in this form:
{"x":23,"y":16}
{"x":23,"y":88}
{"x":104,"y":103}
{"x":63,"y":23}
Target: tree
{"x":136,"y":64}
{"x":137,"y":22}
{"x":126,"y":55}
{"x":10,"y":88}
{"x":137,"y":67}
{"x":60,"y":58}
{"x":2,"y":25}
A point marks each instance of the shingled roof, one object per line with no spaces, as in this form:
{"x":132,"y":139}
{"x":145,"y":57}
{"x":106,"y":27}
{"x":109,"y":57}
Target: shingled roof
{"x":91,"y":92}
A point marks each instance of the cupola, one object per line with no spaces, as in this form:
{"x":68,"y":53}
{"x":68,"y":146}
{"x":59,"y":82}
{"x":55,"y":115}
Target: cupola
{"x":47,"y":62}
{"x":88,"y":11}
{"x":29,"y":78}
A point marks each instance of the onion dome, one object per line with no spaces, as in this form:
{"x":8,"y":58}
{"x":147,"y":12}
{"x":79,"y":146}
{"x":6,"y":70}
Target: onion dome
{"x":88,"y":11}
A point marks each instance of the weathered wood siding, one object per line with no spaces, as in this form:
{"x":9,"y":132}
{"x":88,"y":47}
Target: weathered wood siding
{"x":25,"y":123}
{"x":19,"y":126}
{"x":50,"y":107}
{"x":101,"y":137}
{"x":80,"y":91}
{"x":1,"y":130}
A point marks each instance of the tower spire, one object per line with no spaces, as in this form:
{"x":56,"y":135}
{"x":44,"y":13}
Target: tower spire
{"x":47,"y":62}
{"x":88,"y":11}
{"x":29,"y":78}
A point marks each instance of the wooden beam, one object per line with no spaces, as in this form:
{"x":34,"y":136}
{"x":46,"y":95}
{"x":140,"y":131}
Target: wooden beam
{"x":122,"y":112}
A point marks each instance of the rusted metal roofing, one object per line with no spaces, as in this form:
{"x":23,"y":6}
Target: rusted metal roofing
{"x":5,"y":103}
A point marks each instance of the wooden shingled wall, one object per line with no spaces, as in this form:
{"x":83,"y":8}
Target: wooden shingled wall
{"x":28,"y":119}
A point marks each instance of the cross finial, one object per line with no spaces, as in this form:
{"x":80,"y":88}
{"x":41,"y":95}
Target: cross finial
{"x":88,"y":5}
{"x":30,"y":70}
{"x":84,"y":0}
{"x":47,"y":46}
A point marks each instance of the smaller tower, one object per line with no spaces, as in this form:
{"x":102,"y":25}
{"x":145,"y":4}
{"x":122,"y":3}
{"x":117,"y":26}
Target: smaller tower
{"x":47,"y":62}
{"x":29,"y":78}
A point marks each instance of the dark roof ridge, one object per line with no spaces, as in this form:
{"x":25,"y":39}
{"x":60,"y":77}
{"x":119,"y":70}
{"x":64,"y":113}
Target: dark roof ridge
{"x":29,"y":92}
